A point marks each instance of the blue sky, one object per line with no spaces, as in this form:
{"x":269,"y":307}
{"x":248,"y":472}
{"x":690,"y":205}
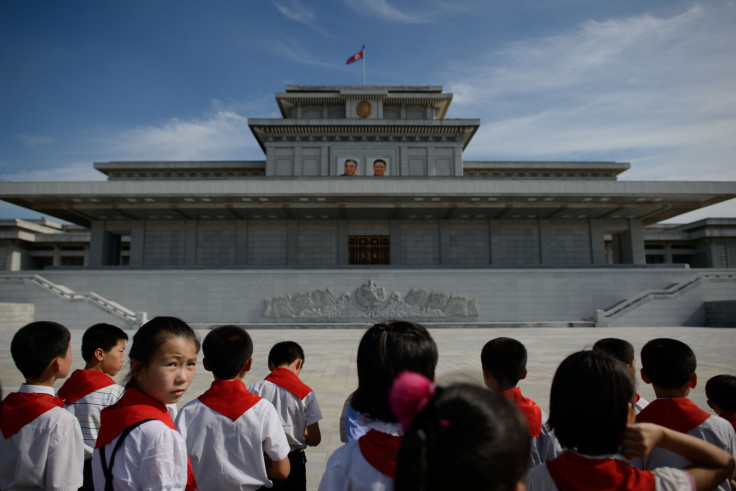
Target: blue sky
{"x":649,"y":82}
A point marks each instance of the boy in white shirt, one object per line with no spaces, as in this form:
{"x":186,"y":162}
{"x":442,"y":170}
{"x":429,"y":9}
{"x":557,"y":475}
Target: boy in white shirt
{"x":227,"y":429}
{"x":87,"y":392}
{"x":297,"y":406}
{"x":41,"y":445}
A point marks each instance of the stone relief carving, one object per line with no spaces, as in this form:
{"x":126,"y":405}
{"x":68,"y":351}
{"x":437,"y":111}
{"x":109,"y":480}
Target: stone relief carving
{"x":369,"y":301}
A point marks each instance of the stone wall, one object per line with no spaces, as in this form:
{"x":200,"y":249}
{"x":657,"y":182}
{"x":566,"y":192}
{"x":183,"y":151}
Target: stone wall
{"x":357,"y":295}
{"x":720,"y":314}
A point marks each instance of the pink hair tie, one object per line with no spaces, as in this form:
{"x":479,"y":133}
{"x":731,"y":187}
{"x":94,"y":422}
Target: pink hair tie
{"x":410,"y":393}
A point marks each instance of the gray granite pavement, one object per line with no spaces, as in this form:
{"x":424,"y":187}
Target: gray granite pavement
{"x":331,"y":371}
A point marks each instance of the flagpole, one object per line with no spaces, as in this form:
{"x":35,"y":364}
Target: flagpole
{"x":364,"y":65}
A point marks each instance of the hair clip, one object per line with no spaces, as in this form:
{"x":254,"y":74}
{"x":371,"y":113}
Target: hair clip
{"x":445,"y":423}
{"x":409,"y":395}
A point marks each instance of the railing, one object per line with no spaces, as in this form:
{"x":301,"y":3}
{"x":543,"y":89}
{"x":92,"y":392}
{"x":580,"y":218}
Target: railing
{"x":604,"y":317}
{"x":133,"y":318}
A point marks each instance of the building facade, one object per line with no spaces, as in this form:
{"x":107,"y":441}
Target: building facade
{"x":366,"y":179}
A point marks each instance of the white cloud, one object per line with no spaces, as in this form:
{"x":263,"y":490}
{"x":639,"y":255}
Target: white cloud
{"x":383,"y":10}
{"x":295,"y":51}
{"x":657,"y":92}
{"x":35,"y":140}
{"x":79,"y":171}
{"x":223,"y":136}
{"x":298,"y":12}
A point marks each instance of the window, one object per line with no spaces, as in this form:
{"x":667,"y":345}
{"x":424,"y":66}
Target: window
{"x":369,"y":249}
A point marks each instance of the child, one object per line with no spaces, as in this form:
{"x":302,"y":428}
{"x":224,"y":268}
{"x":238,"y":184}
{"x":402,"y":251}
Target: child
{"x":227,"y":429}
{"x":504,"y":364}
{"x":297,"y":407}
{"x":152,"y":454}
{"x":86,"y":392}
{"x":623,"y":351}
{"x":385,"y":350}
{"x":458,"y":437}
{"x":592,"y":415}
{"x":41,"y":446}
{"x":721,"y":393}
{"x":669,"y":365}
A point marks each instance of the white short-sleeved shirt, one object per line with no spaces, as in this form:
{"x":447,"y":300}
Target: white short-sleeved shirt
{"x":545,"y":447}
{"x":152,"y":456}
{"x":47,"y":453}
{"x":667,"y":478}
{"x":227,"y":454}
{"x":87,"y":411}
{"x":715,"y":430}
{"x":296,"y":414}
{"x":348,"y":469}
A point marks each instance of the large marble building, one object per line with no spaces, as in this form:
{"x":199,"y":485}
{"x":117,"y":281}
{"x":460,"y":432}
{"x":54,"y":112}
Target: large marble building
{"x":366,"y":181}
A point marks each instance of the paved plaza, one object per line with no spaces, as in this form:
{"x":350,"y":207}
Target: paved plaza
{"x":331,"y":371}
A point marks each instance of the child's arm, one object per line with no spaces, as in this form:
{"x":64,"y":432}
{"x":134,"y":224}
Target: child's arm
{"x":312,"y":434}
{"x":278,"y":469}
{"x":711,"y":465}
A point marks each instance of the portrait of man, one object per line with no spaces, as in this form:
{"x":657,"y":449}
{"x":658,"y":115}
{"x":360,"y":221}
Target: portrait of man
{"x":379,"y":167}
{"x":351,"y":167}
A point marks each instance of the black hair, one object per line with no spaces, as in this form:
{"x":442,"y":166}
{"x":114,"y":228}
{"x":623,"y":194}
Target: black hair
{"x":386,"y":350}
{"x":668,"y":363}
{"x":104,"y":336}
{"x":285,"y":353}
{"x":467,"y":437}
{"x":620,"y":349}
{"x":36,"y":345}
{"x":151,"y":335}
{"x":589,"y":402}
{"x":226,"y":350}
{"x":721,"y":390}
{"x":379,"y":160}
{"x":505,"y":360}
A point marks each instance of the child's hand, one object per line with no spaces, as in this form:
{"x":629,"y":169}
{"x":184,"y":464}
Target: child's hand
{"x":640,"y":439}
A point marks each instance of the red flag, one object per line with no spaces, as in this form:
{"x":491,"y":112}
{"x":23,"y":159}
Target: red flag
{"x":357,"y":56}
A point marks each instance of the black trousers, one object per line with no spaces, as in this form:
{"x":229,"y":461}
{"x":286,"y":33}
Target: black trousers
{"x":297,"y":480}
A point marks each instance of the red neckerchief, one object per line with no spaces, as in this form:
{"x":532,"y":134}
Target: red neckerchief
{"x":229,"y":398}
{"x":286,"y":379}
{"x":83,"y":382}
{"x":636,"y":399}
{"x":133,"y":407}
{"x":571,"y":471}
{"x":731,"y":418}
{"x":380,"y":450}
{"x":531,"y":411}
{"x":20,"y":408}
{"x":677,"y":413}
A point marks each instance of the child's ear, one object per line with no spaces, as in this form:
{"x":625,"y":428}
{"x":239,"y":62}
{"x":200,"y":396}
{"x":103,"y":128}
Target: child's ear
{"x":99,"y":354}
{"x":135,"y":368}
{"x":713,"y":406}
{"x":692,"y":381}
{"x":248,"y":364}
{"x":271,"y":366}
{"x":206,"y":365}
{"x":523,"y":376}
{"x":644,"y":376}
{"x":299,"y":364}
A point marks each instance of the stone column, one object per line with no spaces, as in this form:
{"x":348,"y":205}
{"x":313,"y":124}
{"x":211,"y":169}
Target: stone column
{"x":597,"y":243}
{"x":292,"y":242}
{"x":395,"y":237}
{"x":545,"y":253}
{"x":241,"y":243}
{"x":190,"y":243}
{"x":137,"y":242}
{"x":445,"y":249}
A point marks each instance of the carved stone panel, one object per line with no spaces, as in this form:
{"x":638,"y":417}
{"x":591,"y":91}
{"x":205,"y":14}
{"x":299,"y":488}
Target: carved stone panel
{"x":369,"y":301}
